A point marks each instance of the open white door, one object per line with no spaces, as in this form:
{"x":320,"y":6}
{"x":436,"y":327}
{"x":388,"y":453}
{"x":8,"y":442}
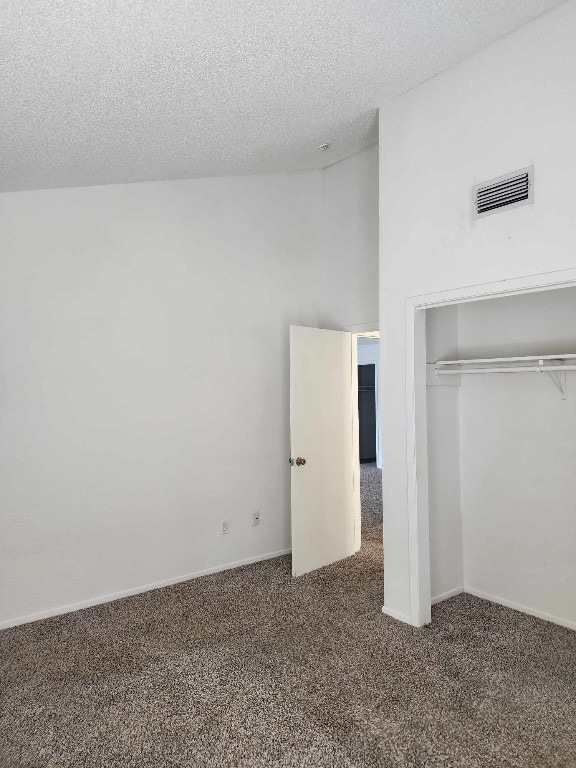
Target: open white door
{"x":323,"y":426}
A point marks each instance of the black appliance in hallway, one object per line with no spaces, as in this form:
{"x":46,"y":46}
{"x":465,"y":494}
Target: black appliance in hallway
{"x":367,"y":411}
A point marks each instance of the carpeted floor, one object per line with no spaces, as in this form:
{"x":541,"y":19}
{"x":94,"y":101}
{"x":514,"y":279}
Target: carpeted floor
{"x":250,"y":668}
{"x":371,"y":492}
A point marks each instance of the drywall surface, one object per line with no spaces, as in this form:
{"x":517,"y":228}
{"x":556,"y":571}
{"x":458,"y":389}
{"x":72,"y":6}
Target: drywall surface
{"x":144,"y":361}
{"x":443,"y":408}
{"x":507,"y":107}
{"x":144,"y":349}
{"x":518,"y":453}
{"x":350,"y":241}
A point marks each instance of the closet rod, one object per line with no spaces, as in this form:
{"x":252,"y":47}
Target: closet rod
{"x":519,"y":369}
{"x":525,"y":359}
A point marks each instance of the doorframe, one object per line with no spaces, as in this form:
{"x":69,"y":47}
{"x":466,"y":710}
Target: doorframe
{"x":418,"y":512}
{"x":361,"y":329}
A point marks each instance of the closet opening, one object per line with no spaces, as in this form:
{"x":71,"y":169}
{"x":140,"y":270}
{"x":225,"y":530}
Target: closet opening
{"x":494,"y":383}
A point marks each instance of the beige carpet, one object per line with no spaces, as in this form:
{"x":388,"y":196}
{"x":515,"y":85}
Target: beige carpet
{"x":251,"y":668}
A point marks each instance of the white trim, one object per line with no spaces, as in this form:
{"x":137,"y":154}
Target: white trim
{"x":522,"y":608}
{"x":63,"y":609}
{"x":396,"y":615}
{"x":506,"y":603}
{"x":562,"y":278}
{"x":416,"y":416}
{"x":448,"y":594}
{"x":417,"y":464}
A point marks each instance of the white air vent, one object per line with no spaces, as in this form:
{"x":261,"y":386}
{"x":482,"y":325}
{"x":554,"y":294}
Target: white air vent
{"x":508,"y":191}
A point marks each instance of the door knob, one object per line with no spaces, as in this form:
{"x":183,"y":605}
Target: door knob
{"x":300,"y":461}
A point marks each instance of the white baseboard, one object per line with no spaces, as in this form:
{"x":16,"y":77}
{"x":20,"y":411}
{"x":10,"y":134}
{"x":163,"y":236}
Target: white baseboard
{"x":446,"y":595}
{"x":396,"y":615}
{"x":136,"y":590}
{"x":523,"y":608}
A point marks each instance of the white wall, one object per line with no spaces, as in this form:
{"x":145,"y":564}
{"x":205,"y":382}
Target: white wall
{"x":518,"y":457}
{"x":444,"y":479}
{"x":144,"y":375}
{"x":350,"y":243}
{"x":507,"y":107}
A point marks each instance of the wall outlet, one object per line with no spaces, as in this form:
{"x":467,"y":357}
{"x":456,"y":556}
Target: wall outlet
{"x":256,"y":517}
{"x":224,"y":527}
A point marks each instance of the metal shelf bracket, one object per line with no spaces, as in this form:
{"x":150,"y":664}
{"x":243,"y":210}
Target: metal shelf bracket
{"x":558,"y":378}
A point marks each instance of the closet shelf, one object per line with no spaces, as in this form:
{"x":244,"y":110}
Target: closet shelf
{"x":531,"y":358}
{"x":555,"y":366}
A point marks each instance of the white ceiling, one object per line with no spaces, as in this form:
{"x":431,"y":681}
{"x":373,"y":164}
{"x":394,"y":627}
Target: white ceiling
{"x":104,"y":91}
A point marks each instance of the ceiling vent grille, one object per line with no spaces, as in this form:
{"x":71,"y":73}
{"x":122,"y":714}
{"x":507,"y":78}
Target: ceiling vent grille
{"x":505,"y":192}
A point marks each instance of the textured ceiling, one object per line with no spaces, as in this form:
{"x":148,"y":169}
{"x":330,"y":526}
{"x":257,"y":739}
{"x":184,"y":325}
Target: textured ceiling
{"x":104,"y":91}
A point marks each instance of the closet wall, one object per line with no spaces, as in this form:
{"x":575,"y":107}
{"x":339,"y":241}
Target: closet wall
{"x":443,"y":406}
{"x":518,"y":457}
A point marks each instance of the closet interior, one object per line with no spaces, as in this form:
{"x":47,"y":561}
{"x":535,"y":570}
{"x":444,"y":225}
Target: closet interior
{"x":501,"y":409}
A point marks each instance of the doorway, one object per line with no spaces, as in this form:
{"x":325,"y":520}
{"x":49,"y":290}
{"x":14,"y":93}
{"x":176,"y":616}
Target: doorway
{"x":330,"y":488}
{"x":368,"y":444}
